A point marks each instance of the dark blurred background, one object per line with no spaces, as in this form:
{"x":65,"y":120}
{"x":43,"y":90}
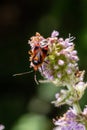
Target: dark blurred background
{"x":23,"y":104}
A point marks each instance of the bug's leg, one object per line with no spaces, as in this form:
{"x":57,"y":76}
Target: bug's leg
{"x":35,"y":78}
{"x":46,"y":62}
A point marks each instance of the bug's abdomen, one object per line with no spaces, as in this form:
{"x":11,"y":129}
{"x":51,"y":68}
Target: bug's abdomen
{"x":37,"y":59}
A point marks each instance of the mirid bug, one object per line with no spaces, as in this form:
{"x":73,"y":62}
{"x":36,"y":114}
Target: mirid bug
{"x":38,"y":53}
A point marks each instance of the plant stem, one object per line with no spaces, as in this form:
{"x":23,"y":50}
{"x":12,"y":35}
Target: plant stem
{"x":77,"y":107}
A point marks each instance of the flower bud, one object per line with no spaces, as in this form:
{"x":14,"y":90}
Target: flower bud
{"x":61,"y":64}
{"x":70,"y":121}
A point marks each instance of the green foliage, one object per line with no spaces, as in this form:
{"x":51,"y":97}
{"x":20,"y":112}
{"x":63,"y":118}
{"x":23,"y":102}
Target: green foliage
{"x":32,"y":122}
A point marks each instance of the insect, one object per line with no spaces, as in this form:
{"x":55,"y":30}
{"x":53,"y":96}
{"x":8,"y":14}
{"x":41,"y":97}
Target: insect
{"x":78,"y":73}
{"x":38,"y":53}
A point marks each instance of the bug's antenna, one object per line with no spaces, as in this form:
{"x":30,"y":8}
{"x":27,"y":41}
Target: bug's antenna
{"x":23,"y":73}
{"x":28,"y":73}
